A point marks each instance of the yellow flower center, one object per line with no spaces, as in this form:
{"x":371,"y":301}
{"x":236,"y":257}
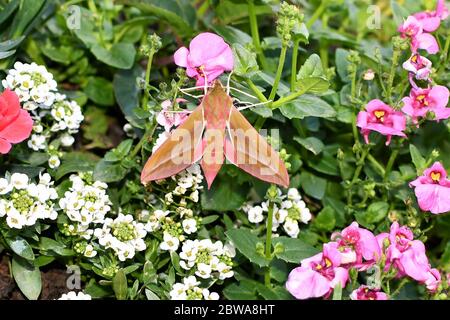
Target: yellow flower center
{"x":436,"y":176}
{"x":379,"y":114}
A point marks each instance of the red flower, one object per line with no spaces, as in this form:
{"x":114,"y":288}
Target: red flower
{"x":15,"y":123}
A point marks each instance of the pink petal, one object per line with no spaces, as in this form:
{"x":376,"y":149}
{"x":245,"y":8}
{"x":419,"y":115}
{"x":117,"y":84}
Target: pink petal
{"x":430,"y":24}
{"x":9,"y":104}
{"x":304,"y":283}
{"x":427,"y":42}
{"x":206,"y":46}
{"x":414,"y":261}
{"x":181,"y":57}
{"x":5,"y":146}
{"x":433,"y":197}
{"x":19,"y":129}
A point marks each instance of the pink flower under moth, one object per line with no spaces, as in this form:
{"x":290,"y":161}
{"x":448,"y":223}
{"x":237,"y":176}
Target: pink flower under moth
{"x":208,"y":57}
{"x":432,"y":189}
{"x":169,"y":119}
{"x":419,"y":66}
{"x":413,"y":29}
{"x":15,"y":123}
{"x":421,"y":101}
{"x":381,"y":118}
{"x":366,"y":293}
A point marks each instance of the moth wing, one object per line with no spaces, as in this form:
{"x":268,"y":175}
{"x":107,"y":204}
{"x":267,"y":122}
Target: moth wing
{"x":248,"y":150}
{"x":179,"y":151}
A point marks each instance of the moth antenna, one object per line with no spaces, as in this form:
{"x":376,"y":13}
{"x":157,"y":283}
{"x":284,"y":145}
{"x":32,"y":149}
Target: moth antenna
{"x":228,"y":82}
{"x":192,"y":95}
{"x":177,"y":111}
{"x":206,"y":85}
{"x":254,"y":105}
{"x":194,"y":88}
{"x":243,"y":92}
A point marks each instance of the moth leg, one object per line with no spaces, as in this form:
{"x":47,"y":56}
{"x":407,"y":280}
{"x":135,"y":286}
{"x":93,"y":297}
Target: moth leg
{"x":192,"y":95}
{"x":243,"y":92}
{"x":228,"y":82}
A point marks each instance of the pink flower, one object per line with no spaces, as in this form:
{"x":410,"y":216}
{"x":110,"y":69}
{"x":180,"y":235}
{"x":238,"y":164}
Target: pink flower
{"x":317,"y":276}
{"x":413,"y":29}
{"x":419,"y":66}
{"x":169,"y":119}
{"x":356,"y":246}
{"x":433,"y":280}
{"x":421,"y":101}
{"x":381,"y":118}
{"x":208,"y":57}
{"x":431,"y":20}
{"x":366,"y":293}
{"x":15,"y":123}
{"x":432,"y":189}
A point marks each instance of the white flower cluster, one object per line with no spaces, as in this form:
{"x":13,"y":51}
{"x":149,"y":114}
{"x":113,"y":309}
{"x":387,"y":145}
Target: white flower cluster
{"x":188,"y":186}
{"x":189,"y":290}
{"x":24,"y":202}
{"x":72,"y":295}
{"x":208,"y":259}
{"x":85,"y":203}
{"x":124,"y":235}
{"x":289,"y":213}
{"x":55,"y":117}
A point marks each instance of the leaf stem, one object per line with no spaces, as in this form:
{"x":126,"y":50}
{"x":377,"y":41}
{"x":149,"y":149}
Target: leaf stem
{"x":269,"y":244}
{"x":279,"y":72}
{"x":320,"y":9}
{"x":255,"y":89}
{"x":390,"y":163}
{"x":376,"y":164}
{"x":395,"y":56}
{"x":255,"y":33}
{"x":294,"y":64}
{"x":147,"y":80}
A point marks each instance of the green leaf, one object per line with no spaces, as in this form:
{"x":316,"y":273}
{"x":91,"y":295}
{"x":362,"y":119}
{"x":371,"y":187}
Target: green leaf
{"x":311,"y":143}
{"x":232,"y":35}
{"x":76,"y":162}
{"x":27,"y":277}
{"x":11,"y":44}
{"x":209,"y":219}
{"x":243,"y":290}
{"x":311,"y":76}
{"x":149,"y":273}
{"x":295,"y":250}
{"x":223,"y":196}
{"x":121,"y":55}
{"x":445,"y":258}
{"x":337,"y":292}
{"x":400,"y":13}
{"x":417,"y":158}
{"x":312,"y":185}
{"x":28,"y":10}
{"x":325,"y":220}
{"x":245,"y":61}
{"x":100,"y":91}
{"x":307,"y":106}
{"x":109,"y":172}
{"x":151,"y":295}
{"x":8,"y":10}
{"x":342,"y":64}
{"x":119,"y":285}
{"x":245,"y":241}
{"x":20,"y":247}
{"x":179,"y":14}
{"x":376,"y":212}
{"x":120,"y":152}
{"x":127,"y":92}
{"x":47,"y":244}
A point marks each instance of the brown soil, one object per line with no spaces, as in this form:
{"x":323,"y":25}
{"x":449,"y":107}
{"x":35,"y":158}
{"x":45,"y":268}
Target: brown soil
{"x":53,"y":283}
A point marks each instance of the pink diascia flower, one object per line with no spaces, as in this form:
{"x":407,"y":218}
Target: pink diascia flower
{"x":169,"y":119}
{"x":317,"y":276}
{"x":419,"y":66}
{"x":366,"y":293}
{"x":357,"y":246}
{"x":432,"y":189}
{"x":405,"y":254}
{"x":421,"y":101}
{"x":413,"y":29}
{"x":208,"y":57}
{"x":431,"y":20}
{"x":381,"y":118}
{"x":15,"y":123}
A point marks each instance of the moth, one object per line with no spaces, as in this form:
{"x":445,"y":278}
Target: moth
{"x":213,"y":132}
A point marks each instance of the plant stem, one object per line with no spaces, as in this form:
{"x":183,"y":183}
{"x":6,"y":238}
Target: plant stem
{"x":255,"y":89}
{"x":288,"y":98}
{"x":360,"y":165}
{"x":147,"y":80}
{"x":400,"y":286}
{"x":294,"y":64}
{"x":279,"y":72}
{"x":255,"y":33}
{"x":320,"y":9}
{"x":395,"y":56}
{"x":268,"y":244}
{"x":376,"y":164}
{"x":390,"y":163}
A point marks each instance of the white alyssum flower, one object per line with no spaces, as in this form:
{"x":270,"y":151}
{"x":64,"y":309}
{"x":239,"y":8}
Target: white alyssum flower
{"x":288,"y":213}
{"x":72,"y":295}
{"x":170,"y":242}
{"x":123,"y":235}
{"x":189,"y":290}
{"x":23,"y":202}
{"x":85,"y":203}
{"x":54,"y":162}
{"x":208,"y":259}
{"x":189,"y":225}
